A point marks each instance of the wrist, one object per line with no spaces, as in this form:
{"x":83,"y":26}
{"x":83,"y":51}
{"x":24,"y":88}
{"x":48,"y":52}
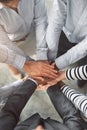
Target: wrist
{"x":27,"y":63}
{"x":63,"y":75}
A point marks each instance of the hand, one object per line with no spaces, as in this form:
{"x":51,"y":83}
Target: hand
{"x":45,"y":61}
{"x":45,"y":87}
{"x":61,"y":75}
{"x":39,"y":80}
{"x":39,"y":69}
{"x":55,"y":67}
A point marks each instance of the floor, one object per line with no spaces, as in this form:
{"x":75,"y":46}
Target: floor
{"x":40,"y":101}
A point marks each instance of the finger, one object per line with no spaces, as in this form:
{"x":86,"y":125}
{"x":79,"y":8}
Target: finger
{"x":53,"y":64}
{"x":49,"y":66}
{"x":39,"y":78}
{"x":50,"y":69}
{"x":49,"y":74}
{"x":53,"y":82}
{"x":39,"y":87}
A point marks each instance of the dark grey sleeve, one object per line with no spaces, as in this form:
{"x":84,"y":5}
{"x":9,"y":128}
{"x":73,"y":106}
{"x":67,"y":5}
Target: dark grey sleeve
{"x":10,"y":113}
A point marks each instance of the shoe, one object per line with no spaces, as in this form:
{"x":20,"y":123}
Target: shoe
{"x":81,"y":83}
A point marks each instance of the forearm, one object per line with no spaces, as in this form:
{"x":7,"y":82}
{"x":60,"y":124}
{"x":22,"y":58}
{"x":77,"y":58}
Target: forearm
{"x":65,"y":108}
{"x":78,"y":99}
{"x":73,"y":55}
{"x":76,"y":73}
{"x":10,"y":57}
{"x":10,"y":113}
{"x":9,"y":52}
{"x":56,"y":22}
{"x":40,"y":21}
{"x":41,"y":46}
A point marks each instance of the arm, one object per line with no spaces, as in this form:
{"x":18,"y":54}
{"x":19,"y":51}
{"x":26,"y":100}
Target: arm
{"x":10,"y":57}
{"x":68,"y":112}
{"x":77,"y":73}
{"x":40,"y":20}
{"x":72,"y":55}
{"x":78,"y":99}
{"x":10,"y":113}
{"x":9,"y":52}
{"x":56,"y":23}
{"x":30,"y":67}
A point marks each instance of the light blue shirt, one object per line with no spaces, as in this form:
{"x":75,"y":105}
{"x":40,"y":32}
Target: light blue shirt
{"x":71,"y":17}
{"x":15,"y":26}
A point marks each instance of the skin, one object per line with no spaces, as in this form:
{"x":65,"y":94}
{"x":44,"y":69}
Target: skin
{"x":40,"y":68}
{"x":61,"y":76}
{"x":39,"y":127}
{"x":11,"y":3}
{"x":49,"y":82}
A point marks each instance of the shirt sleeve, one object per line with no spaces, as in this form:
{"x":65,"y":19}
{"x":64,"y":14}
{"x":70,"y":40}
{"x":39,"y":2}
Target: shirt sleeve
{"x":78,"y":99}
{"x":56,"y":22}
{"x":72,"y":55}
{"x":40,"y":20}
{"x":10,"y":57}
{"x":9,"y":52}
{"x":77,"y":73}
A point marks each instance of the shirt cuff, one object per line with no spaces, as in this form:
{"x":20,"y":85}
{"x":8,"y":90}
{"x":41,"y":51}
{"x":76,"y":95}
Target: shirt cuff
{"x":41,"y":55}
{"x":61,"y":62}
{"x":15,"y":60}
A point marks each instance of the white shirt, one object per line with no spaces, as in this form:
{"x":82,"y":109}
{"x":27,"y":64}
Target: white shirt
{"x":15,"y":26}
{"x":71,"y":17}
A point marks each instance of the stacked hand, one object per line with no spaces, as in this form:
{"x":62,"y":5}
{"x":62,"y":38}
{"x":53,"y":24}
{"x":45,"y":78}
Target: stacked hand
{"x":60,"y":76}
{"x":39,"y":69}
{"x":50,"y":82}
{"x":44,"y":73}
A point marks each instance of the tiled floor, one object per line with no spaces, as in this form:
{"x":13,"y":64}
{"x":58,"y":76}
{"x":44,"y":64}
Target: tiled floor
{"x":40,"y":101}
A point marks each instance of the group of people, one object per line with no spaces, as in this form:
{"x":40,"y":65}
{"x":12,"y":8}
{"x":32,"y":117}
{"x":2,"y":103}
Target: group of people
{"x":60,"y":41}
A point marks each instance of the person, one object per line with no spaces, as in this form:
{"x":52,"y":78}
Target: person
{"x":76,"y":97}
{"x":66,"y":32}
{"x":15,"y":25}
{"x":80,"y":100}
{"x":9,"y":115}
{"x":75,"y":73}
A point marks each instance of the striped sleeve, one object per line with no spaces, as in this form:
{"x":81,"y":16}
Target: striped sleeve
{"x":78,"y":99}
{"x":77,"y":73}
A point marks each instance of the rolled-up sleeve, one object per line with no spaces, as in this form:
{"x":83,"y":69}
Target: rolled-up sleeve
{"x":40,"y":20}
